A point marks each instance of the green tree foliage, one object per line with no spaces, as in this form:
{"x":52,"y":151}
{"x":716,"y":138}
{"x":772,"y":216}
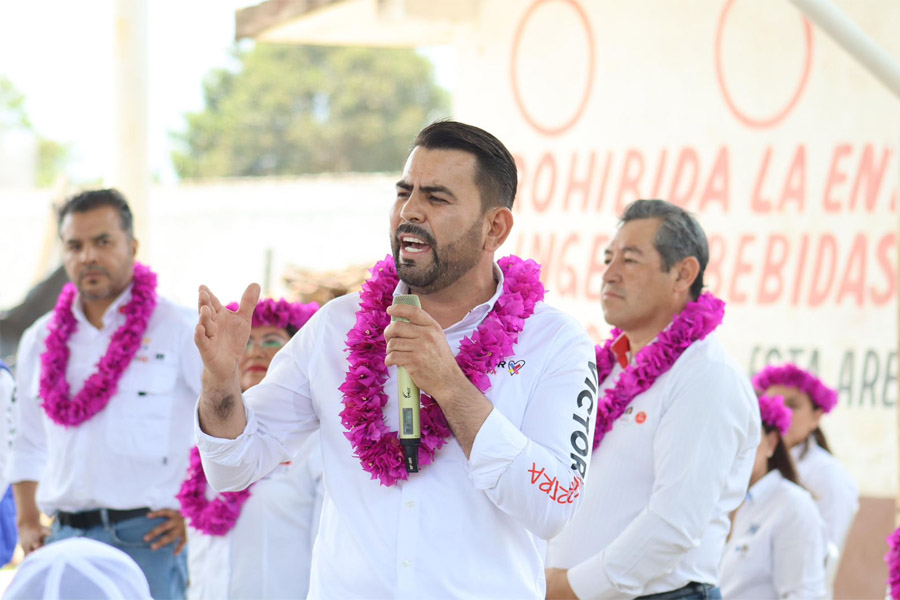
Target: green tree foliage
{"x":52,"y":156}
{"x":12,"y":107}
{"x":310,"y":109}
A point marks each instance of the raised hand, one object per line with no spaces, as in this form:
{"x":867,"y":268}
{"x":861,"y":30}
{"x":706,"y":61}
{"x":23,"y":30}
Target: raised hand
{"x":221,"y":335}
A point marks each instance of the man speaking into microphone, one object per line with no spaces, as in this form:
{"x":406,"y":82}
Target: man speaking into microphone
{"x":508,"y":396}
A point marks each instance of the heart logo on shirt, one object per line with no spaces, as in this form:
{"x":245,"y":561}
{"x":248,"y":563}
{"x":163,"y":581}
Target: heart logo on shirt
{"x":515,"y":366}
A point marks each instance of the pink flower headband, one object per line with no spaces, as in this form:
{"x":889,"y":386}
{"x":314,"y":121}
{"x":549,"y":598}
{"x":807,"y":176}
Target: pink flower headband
{"x":280,"y":313}
{"x":774,"y":413}
{"x":793,"y":376}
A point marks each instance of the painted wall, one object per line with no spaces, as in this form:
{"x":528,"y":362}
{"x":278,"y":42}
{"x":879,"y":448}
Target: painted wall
{"x":744,"y":113}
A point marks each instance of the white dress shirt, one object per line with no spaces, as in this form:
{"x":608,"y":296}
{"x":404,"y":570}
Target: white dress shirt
{"x":832,"y":486}
{"x":664,"y":480}
{"x":777,"y":547}
{"x":267,"y":555}
{"x":134,"y":452}
{"x":459,"y":528}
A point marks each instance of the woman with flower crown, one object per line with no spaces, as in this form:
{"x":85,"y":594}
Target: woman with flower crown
{"x":777,"y":547}
{"x":508,"y":393}
{"x":256,"y":543}
{"x":677,"y":424}
{"x":834,"y":489}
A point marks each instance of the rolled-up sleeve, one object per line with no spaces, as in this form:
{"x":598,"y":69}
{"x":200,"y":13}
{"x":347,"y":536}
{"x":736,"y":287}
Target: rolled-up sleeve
{"x":536,"y":472}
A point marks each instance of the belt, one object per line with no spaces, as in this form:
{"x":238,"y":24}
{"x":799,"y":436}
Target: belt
{"x":689,"y":590}
{"x":94,"y":518}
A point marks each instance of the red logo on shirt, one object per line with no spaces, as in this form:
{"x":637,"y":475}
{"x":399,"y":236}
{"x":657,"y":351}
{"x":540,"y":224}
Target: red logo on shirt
{"x":640,"y":417}
{"x":556,"y":490}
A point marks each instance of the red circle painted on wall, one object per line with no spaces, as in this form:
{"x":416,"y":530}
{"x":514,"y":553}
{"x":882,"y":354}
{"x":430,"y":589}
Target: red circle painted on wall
{"x":641,"y":417}
{"x":777,"y":116}
{"x":544,"y":127}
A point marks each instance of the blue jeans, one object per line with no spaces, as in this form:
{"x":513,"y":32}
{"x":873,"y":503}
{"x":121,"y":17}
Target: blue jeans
{"x":692,"y":591}
{"x":166,"y":573}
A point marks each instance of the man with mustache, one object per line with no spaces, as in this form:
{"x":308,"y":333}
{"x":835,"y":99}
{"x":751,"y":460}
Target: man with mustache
{"x":677,"y":431}
{"x":106,"y":386}
{"x":509,"y":392}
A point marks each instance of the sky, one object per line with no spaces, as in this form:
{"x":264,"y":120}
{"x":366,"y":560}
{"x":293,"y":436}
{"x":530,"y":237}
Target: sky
{"x":58,"y":54}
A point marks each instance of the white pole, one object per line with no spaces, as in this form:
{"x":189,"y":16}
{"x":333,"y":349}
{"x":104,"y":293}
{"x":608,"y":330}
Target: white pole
{"x":854,"y":40}
{"x":131,"y":170}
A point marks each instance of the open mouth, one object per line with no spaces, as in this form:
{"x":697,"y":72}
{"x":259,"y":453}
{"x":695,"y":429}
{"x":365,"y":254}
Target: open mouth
{"x":411,"y":244}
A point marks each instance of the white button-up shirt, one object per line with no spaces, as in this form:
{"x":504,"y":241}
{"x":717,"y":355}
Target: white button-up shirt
{"x":777,"y":547}
{"x":134,"y":452}
{"x":267,"y":555}
{"x":664,"y":480}
{"x":832,"y":486}
{"x":459,"y":528}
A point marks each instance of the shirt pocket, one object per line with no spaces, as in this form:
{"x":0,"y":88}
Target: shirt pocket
{"x":141,"y":412}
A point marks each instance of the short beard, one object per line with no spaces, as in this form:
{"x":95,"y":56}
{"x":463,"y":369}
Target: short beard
{"x":460,"y":257}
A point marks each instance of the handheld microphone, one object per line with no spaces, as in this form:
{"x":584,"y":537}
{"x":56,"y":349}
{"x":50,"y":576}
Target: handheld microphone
{"x":409,"y":401}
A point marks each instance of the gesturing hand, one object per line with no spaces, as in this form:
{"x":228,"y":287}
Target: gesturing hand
{"x":221,"y":335}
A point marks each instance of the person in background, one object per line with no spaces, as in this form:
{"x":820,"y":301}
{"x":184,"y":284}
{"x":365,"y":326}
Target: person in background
{"x":677,"y":424}
{"x":834,"y":489}
{"x":256,"y":543}
{"x":106,"y":384}
{"x":8,"y":534}
{"x":78,"y":568}
{"x":777,"y":547}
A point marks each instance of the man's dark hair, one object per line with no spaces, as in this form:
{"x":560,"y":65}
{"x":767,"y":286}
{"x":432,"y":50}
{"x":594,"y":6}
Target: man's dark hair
{"x":495,"y":173}
{"x":678,"y":237}
{"x":92,"y":199}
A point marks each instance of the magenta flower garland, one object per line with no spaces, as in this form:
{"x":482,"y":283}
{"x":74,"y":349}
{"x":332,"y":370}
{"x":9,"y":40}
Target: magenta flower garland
{"x":791,"y":375}
{"x":219,"y":515}
{"x":694,"y":323}
{"x":774,"y":413}
{"x":212,"y":517}
{"x":103,"y":384}
{"x":377,"y":448}
{"x":893,"y":561}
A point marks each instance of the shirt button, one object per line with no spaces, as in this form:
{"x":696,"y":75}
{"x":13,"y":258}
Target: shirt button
{"x":410,"y":504}
{"x":406,"y":563}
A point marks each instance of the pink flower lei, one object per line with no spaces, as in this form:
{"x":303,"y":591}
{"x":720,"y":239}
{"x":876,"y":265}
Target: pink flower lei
{"x":774,"y":413}
{"x":694,"y":323}
{"x":892,"y":558}
{"x":377,"y":448}
{"x":103,"y":384}
{"x":212,"y":517}
{"x":219,"y":515}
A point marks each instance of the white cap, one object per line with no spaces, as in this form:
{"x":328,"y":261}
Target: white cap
{"x":78,"y":568}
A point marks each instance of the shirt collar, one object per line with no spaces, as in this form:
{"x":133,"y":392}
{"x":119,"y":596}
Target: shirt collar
{"x":477,"y":314}
{"x":621,"y":348}
{"x":109,"y":317}
{"x":763,"y":488}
